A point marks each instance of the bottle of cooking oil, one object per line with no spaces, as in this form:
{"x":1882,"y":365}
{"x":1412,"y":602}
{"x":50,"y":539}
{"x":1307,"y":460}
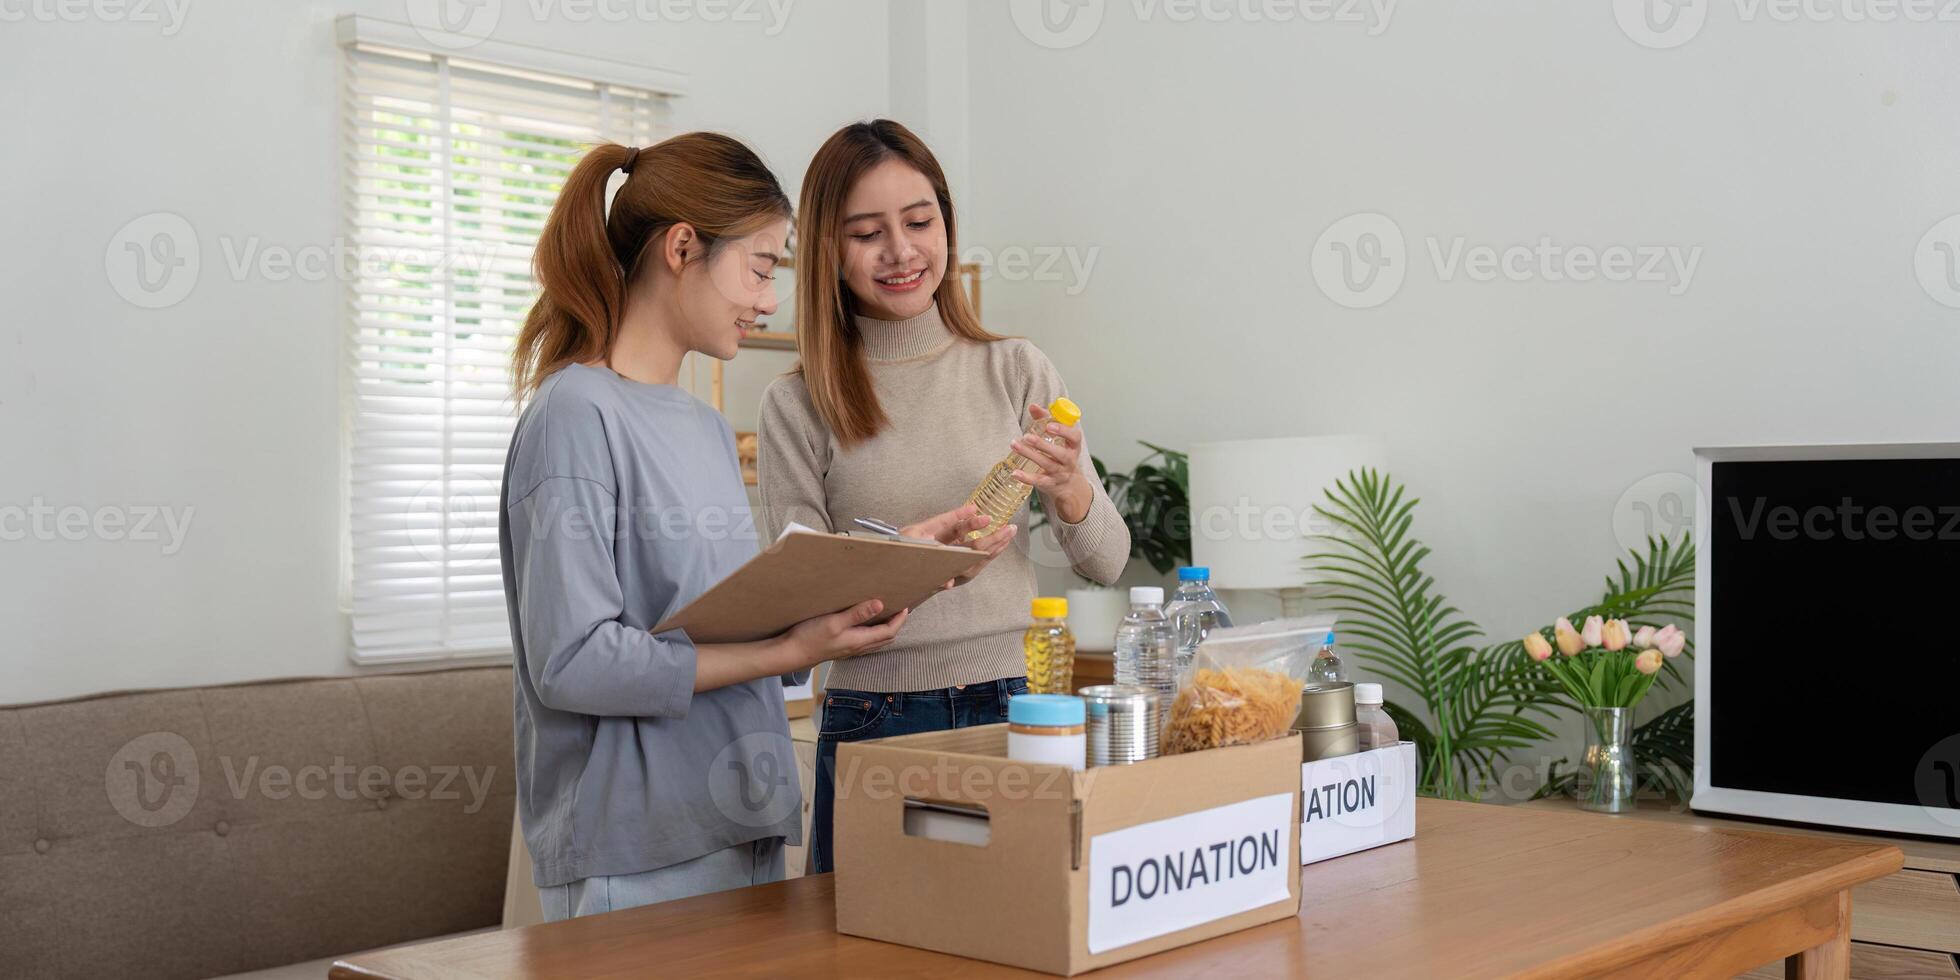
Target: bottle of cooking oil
{"x":1050,"y":648}
{"x":1000,"y":496}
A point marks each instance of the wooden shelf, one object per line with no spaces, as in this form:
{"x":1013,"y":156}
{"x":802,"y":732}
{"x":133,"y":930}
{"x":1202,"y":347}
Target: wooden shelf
{"x":785,"y":339}
{"x":770,"y":340}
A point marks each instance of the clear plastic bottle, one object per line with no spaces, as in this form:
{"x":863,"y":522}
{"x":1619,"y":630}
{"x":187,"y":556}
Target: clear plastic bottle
{"x":1000,"y":496}
{"x":1049,"y":648}
{"x":1146,"y":650}
{"x":1194,"y":612}
{"x":1377,"y":728}
{"x":1327,"y":667}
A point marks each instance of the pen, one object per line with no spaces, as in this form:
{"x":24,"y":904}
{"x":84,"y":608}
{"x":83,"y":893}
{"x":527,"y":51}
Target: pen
{"x":886,"y":530}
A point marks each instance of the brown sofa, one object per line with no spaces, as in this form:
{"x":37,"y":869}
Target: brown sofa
{"x":213,"y":830}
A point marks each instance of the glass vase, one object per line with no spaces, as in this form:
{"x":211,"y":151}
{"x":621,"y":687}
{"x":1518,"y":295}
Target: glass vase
{"x":1606,"y":771}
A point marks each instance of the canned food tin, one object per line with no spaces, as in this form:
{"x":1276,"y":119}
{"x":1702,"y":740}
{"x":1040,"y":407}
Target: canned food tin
{"x":1123,"y":723}
{"x":1326,"y":721}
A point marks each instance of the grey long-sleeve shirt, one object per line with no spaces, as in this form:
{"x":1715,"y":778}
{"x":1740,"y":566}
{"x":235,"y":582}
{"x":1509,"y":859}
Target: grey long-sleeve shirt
{"x":622,"y":502}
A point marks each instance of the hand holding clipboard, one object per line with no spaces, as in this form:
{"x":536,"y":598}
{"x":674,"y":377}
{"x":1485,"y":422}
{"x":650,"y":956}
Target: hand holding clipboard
{"x":806,"y":574}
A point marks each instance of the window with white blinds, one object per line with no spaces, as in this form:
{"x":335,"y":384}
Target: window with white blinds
{"x":452,"y":166}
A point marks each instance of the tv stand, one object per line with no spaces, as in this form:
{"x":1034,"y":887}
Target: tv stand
{"x":1905,"y":925}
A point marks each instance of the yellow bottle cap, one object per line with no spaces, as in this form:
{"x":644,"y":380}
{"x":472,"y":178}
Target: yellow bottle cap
{"x":1064,"y":411}
{"x":1049,"y":608}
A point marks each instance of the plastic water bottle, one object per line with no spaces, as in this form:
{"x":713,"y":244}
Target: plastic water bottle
{"x":1327,"y":668}
{"x":1000,"y":496}
{"x":1194,"y":612}
{"x":1146,"y":650}
{"x":1378,"y":730}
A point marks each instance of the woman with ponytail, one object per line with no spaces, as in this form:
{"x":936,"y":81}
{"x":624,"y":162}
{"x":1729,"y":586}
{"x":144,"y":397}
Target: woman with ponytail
{"x":900,"y":404}
{"x":640,"y":756}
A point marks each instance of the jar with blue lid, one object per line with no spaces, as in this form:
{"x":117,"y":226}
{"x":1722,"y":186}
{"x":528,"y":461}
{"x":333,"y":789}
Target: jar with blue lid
{"x":1047,"y":729}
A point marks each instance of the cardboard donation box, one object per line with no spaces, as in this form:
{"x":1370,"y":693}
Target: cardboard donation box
{"x":944,"y":843}
{"x":1354,"y":802}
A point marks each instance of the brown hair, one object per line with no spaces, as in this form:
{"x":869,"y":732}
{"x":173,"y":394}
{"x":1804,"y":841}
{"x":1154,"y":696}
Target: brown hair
{"x":827,"y":339}
{"x":587,"y":258}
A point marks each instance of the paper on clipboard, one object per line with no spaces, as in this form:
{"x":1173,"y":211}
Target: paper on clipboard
{"x":808,"y":573}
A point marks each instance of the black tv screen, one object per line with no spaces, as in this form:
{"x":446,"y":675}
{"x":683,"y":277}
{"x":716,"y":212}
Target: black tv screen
{"x":1835,"y":668}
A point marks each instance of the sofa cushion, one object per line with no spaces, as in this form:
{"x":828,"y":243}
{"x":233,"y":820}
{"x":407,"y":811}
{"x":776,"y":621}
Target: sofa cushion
{"x":209,"y":831}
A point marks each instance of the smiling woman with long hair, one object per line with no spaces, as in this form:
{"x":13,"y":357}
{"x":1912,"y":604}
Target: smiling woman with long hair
{"x":900,"y":404}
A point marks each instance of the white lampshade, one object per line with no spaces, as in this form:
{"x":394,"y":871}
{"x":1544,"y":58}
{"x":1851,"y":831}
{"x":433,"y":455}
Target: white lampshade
{"x":1252,"y":504}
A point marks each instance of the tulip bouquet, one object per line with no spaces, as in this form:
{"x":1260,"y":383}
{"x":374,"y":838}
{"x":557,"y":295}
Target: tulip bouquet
{"x":1606,"y":668}
{"x":1604,"y":663}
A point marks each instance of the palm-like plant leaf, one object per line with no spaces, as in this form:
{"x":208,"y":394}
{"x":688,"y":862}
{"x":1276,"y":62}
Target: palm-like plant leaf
{"x":1478,"y":704}
{"x":1395,"y":621}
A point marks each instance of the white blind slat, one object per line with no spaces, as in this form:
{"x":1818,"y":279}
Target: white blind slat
{"x":451,"y":170}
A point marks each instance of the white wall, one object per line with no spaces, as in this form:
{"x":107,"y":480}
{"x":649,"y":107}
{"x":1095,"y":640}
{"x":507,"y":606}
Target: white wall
{"x":226,"y":405}
{"x":1203,"y":160}
{"x":1199,"y":161}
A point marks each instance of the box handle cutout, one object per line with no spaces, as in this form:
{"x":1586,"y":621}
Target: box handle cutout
{"x":954,"y":823}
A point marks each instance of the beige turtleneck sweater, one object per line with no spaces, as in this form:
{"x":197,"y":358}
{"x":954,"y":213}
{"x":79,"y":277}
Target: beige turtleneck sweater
{"x":955,"y":406}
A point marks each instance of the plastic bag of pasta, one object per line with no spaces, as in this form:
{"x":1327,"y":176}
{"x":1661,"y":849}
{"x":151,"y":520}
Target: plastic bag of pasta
{"x":1244,"y":685}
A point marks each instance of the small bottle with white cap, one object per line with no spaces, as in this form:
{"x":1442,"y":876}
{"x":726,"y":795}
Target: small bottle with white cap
{"x":1378,"y":730}
{"x":1146,"y":646}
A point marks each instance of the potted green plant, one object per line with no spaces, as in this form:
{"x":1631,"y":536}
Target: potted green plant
{"x":1479,"y":703}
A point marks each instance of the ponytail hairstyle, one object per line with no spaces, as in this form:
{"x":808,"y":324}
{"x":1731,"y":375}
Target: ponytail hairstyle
{"x":587,"y":259}
{"x":830,"y":349}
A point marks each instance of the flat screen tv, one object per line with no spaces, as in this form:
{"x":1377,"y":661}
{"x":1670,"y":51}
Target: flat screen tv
{"x":1827,"y":629}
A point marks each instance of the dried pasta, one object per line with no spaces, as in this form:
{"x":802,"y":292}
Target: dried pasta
{"x":1233,"y":706}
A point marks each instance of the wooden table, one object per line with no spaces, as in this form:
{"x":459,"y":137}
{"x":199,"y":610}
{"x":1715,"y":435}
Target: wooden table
{"x":1904,"y":926}
{"x":1481,"y":891}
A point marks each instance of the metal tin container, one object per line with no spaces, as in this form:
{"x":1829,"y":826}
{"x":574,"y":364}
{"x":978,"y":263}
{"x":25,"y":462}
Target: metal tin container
{"x":1123,"y":722}
{"x":1326,"y":721}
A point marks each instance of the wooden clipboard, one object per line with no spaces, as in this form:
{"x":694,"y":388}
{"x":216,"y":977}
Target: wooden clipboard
{"x":810,"y":573}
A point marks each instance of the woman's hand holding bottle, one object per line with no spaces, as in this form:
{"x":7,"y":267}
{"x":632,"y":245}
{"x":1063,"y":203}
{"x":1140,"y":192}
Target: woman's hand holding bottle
{"x":1058,"y":474}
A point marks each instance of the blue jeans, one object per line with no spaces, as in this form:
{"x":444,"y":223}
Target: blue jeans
{"x":755,"y":863}
{"x":854,"y":716}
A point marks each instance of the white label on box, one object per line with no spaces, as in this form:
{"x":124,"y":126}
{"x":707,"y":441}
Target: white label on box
{"x":1157,"y":878}
{"x":1353,"y":802}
